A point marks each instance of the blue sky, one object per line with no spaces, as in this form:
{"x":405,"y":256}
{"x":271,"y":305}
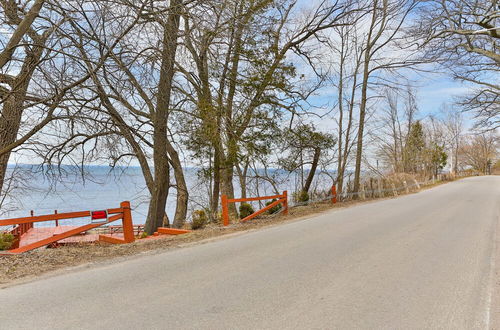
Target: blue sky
{"x":435,"y":92}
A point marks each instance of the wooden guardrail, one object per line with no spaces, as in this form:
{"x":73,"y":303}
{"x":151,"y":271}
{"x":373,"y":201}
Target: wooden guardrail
{"x":98,"y":218}
{"x":21,"y":229}
{"x":281,"y":199}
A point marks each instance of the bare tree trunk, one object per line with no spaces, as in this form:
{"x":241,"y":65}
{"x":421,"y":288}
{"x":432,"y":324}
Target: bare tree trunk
{"x":10,"y":122}
{"x":232,"y":144}
{"x":13,"y":107}
{"x":157,"y":205}
{"x":347,"y":143}
{"x":159,"y":195}
{"x":310,"y":177}
{"x":227,"y":171}
{"x":242,"y":175}
{"x":214,"y":203}
{"x":13,"y":101}
{"x":361,"y":126}
{"x":22,"y":29}
{"x":227,"y":188}
{"x":182,"y":191}
{"x":217,"y":170}
{"x":341,"y":113}
{"x":370,"y":43}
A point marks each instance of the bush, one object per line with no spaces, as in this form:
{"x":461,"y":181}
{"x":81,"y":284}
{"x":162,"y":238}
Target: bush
{"x":216,"y":218}
{"x":245,"y":210}
{"x":274,"y":209}
{"x":6,"y":241}
{"x":302,"y":196}
{"x":199,"y":219}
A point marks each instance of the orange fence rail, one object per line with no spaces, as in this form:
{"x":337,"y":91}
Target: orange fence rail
{"x":281,"y":199}
{"x":27,"y":223}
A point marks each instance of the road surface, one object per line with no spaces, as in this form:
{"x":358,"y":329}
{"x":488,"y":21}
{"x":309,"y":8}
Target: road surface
{"x":418,"y":261}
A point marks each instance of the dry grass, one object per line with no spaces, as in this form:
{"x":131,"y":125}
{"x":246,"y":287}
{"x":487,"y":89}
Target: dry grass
{"x":32,"y":264}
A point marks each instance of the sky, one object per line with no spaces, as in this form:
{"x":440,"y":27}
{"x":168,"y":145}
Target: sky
{"x":432,"y":91}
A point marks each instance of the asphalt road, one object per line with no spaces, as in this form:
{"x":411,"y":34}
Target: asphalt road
{"x":418,"y":261}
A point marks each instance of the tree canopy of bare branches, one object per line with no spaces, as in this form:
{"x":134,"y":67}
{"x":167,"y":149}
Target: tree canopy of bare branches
{"x":463,"y":37}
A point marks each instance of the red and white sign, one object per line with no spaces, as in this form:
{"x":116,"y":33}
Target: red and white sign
{"x":99,"y":216}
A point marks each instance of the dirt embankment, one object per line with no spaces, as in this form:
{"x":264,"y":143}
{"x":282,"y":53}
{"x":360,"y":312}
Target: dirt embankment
{"x":19,"y":268}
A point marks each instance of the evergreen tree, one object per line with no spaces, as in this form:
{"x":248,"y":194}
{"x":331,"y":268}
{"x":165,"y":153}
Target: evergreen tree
{"x":414,"y":148}
{"x":437,"y":158}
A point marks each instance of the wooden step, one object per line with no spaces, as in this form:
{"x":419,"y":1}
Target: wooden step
{"x":172,"y":231}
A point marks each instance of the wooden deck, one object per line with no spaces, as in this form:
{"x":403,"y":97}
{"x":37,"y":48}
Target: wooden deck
{"x":36,"y":234}
{"x":33,"y":237}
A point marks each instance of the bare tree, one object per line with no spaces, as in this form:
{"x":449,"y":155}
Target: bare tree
{"x":348,"y":54}
{"x":38,"y":71}
{"x":454,"y":125}
{"x":480,"y":150}
{"x":463,"y":37}
{"x":396,"y":118}
{"x":385,"y":29}
{"x":129,"y":97}
{"x":19,"y":58}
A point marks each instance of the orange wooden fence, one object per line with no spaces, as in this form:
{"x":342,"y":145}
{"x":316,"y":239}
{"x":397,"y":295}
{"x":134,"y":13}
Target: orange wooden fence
{"x":281,"y":199}
{"x":21,"y":229}
{"x":22,"y":225}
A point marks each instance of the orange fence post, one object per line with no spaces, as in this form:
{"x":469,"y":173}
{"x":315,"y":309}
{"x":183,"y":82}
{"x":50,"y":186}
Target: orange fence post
{"x":285,"y":202}
{"x":225,"y":210}
{"x":334,"y":194}
{"x":128,"y":227}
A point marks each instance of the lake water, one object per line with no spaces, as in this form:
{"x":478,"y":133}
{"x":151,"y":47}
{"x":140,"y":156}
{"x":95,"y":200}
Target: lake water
{"x":105,"y":187}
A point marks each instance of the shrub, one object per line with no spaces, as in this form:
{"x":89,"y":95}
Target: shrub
{"x":245,"y":210}
{"x":199,"y":219}
{"x":274,"y":209}
{"x":302,"y":196}
{"x":6,"y":241}
{"x":215,"y":218}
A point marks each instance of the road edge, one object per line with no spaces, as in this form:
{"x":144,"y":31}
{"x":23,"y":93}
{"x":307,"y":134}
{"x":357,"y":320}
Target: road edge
{"x":494,"y":306}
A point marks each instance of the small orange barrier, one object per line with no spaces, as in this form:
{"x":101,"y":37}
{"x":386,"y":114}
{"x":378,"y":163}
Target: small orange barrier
{"x":281,"y":199}
{"x":25,"y":224}
{"x":172,"y":231}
